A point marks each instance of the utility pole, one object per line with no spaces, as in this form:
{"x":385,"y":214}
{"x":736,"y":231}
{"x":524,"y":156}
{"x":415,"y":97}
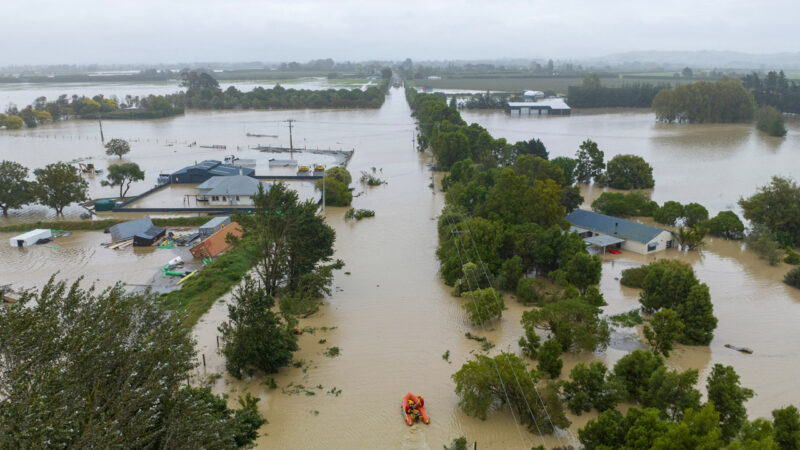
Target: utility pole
{"x":100,"y":121}
{"x":323,"y":193}
{"x":291,"y":146}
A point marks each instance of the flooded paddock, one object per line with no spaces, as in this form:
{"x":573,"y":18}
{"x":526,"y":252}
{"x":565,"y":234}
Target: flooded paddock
{"x":392,"y":317}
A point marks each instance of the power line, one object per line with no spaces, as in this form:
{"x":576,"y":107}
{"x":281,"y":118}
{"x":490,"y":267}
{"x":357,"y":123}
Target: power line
{"x":533,"y":383}
{"x":496,"y":367}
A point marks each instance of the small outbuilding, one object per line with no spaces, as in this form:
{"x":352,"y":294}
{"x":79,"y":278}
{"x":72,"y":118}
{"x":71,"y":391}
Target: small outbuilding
{"x":30,"y":238}
{"x":213,"y":225}
{"x":149,"y":237}
{"x":127,"y":230}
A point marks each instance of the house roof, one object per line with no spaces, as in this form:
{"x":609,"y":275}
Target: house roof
{"x":127,"y":230}
{"x":216,"y":167}
{"x":231,"y":185}
{"x":613,"y":226}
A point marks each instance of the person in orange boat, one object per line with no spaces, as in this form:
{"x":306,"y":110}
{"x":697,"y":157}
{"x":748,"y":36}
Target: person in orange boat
{"x":420,"y":401}
{"x":412,"y":408}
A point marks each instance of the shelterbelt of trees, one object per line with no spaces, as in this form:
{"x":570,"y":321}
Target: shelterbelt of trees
{"x":502,"y":230}
{"x":82,"y":107}
{"x":592,"y":94}
{"x":203,"y":92}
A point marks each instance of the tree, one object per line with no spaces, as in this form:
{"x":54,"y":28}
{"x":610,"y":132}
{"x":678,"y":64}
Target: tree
{"x":697,"y":315}
{"x":87,"y":369}
{"x":117,"y":147}
{"x":574,"y":323}
{"x":58,"y":185}
{"x":672,"y":392}
{"x":254,"y":337}
{"x":548,"y":357}
{"x":726,"y":224}
{"x":634,"y":370}
{"x":687,"y":72}
{"x":770,"y":121}
{"x":483,"y":305}
{"x":697,"y":430}
{"x":584,"y":270}
{"x":193,"y":80}
{"x":15,"y":190}
{"x":728,"y":397}
{"x":669,"y":213}
{"x":690,"y":238}
{"x":337,"y":191}
{"x":449,"y":147}
{"x":285,"y":237}
{"x":672,"y":284}
{"x":13,"y":122}
{"x":123,"y":175}
{"x":666,"y":284}
{"x":487,"y":383}
{"x":722,"y":101}
{"x":627,"y":204}
{"x":629,"y":172}
{"x":786,"y":422}
{"x":792,"y":277}
{"x":567,"y":165}
{"x":607,"y":431}
{"x":533,"y":147}
{"x":590,"y":162}
{"x":777,"y":207}
{"x":695,"y":214}
{"x":666,"y":329}
{"x":589,"y":387}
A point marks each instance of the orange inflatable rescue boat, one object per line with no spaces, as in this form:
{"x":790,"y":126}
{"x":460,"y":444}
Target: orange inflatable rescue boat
{"x":410,"y":416}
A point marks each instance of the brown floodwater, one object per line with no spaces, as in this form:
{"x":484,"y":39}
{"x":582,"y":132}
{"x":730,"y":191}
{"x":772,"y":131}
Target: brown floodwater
{"x":391,"y":316}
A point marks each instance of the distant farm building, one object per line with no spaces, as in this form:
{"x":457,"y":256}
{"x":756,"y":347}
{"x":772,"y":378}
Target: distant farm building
{"x":605,"y":232}
{"x":545,"y":106}
{"x":201,"y":172}
{"x":230,"y":190}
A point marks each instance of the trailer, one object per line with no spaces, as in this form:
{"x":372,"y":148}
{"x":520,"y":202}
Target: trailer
{"x":30,"y":238}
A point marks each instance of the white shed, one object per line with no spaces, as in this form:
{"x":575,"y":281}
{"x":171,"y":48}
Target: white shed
{"x":30,"y":238}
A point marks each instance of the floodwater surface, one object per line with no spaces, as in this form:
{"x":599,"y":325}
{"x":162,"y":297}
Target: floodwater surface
{"x":391,"y":316}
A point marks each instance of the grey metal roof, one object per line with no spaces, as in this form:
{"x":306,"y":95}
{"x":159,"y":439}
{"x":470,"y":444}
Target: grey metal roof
{"x":232,"y":185}
{"x":603,"y":240}
{"x":579,"y":230}
{"x":127,"y":230}
{"x":613,"y":226}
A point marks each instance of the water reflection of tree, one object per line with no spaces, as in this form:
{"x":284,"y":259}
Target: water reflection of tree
{"x":724,"y":140}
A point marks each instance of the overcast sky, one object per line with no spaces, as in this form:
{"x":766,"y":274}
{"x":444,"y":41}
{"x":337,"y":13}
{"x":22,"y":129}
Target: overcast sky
{"x":150,"y":31}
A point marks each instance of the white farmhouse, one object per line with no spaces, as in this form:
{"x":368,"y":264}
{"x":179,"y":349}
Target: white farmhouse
{"x":230,"y":190}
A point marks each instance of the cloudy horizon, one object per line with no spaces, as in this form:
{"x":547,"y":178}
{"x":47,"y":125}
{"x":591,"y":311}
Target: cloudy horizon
{"x":149,"y":31}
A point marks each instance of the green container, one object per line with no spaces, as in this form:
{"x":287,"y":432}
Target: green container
{"x":104,"y":205}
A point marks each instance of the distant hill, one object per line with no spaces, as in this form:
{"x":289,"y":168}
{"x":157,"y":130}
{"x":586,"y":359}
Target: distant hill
{"x":704,"y":59}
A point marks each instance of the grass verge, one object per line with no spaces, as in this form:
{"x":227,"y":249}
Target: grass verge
{"x":201,"y":291}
